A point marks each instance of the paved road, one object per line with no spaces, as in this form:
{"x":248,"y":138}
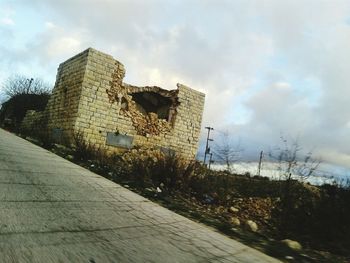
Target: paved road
{"x":52,"y":210}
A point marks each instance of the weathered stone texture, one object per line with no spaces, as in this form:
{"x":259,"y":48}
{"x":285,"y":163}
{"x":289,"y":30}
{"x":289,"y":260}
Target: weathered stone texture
{"x":90,"y":98}
{"x":31,"y":119}
{"x":62,"y":108}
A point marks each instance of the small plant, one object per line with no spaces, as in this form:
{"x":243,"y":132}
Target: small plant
{"x":153,"y":167}
{"x":83,"y":150}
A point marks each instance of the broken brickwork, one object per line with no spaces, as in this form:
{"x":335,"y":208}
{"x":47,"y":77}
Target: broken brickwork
{"x":91,"y":98}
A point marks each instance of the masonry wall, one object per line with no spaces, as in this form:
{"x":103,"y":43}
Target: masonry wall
{"x":91,"y":98}
{"x":62,"y":108}
{"x":32,"y":121}
{"x":185,"y":135}
{"x":96,"y":114}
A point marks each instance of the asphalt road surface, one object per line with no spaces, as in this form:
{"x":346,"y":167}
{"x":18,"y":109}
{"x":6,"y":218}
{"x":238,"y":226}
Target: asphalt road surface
{"x":52,"y":210}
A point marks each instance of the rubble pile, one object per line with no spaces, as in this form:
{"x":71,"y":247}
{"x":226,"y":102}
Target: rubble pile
{"x":146,"y":123}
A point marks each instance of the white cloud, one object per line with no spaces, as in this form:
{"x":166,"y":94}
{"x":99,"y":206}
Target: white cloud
{"x":7,"y":21}
{"x":49,"y":25}
{"x":6,"y":14}
{"x":61,"y":45}
{"x":283,"y":65}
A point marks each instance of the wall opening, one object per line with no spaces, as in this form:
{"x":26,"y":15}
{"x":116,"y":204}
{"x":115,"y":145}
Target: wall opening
{"x":147,"y":102}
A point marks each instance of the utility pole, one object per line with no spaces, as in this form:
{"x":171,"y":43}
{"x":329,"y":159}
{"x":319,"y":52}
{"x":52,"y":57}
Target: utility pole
{"x":207,"y":148}
{"x":260,"y":159}
{"x":30,"y":84}
{"x":210,"y":160}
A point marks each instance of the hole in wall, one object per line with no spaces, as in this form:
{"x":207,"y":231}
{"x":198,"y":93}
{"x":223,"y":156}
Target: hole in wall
{"x":147,"y":102}
{"x":124,"y":104}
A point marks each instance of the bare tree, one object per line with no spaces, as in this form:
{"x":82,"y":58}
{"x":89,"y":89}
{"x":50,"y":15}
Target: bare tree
{"x":19,"y":94}
{"x":292,"y":161}
{"x":227,"y":151}
{"x":19,"y":84}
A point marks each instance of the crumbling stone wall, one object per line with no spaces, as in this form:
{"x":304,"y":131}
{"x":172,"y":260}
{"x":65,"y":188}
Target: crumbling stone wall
{"x":30,"y":120}
{"x":91,"y":98}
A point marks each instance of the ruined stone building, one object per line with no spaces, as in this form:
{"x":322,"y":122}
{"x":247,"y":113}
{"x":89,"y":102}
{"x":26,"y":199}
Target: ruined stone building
{"x":90,"y":98}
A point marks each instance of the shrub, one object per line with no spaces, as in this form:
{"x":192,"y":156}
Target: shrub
{"x":16,"y":107}
{"x":154,"y":167}
{"x":83,"y":150}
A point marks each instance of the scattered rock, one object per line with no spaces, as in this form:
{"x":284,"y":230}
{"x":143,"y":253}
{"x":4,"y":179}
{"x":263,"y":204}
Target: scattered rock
{"x":69,"y":157}
{"x":235,"y":221}
{"x":110,"y":173}
{"x":233,"y":209}
{"x":294,"y":245}
{"x":252,"y":225}
{"x":61,"y":147}
{"x":159,"y":190}
{"x":208,"y":199}
{"x":289,"y":258}
{"x":126,"y":186}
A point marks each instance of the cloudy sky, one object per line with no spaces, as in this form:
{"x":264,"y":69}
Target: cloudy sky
{"x":267,"y":67}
